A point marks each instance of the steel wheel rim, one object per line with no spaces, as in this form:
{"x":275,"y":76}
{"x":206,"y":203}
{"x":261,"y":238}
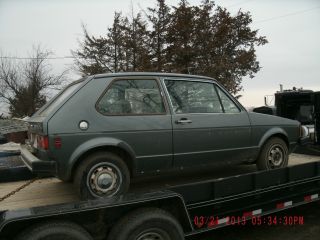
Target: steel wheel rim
{"x":276,"y":156}
{"x":104,"y":179}
{"x":153,"y":234}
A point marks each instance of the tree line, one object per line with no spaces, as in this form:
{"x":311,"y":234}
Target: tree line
{"x":204,"y":39}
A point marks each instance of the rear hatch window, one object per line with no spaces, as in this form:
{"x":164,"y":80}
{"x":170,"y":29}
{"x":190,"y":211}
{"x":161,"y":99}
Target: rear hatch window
{"x":59,"y":98}
{"x":36,"y":136}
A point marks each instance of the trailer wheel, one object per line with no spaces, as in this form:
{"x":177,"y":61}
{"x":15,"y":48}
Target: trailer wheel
{"x":102,"y":174}
{"x":274,"y":154}
{"x":147,"y":224}
{"x":55,"y":230}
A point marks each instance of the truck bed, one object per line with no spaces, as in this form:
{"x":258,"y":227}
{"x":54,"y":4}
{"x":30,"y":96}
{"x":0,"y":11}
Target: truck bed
{"x":49,"y":191}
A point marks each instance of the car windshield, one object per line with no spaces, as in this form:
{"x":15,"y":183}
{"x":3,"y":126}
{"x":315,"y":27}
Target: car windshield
{"x":59,"y":98}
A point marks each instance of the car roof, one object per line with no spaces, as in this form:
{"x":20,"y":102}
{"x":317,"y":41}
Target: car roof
{"x":153,"y":74}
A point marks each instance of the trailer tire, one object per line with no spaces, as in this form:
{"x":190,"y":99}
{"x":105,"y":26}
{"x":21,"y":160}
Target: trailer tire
{"x":274,"y":154}
{"x":147,"y":223}
{"x":114,"y":173}
{"x":55,"y":230}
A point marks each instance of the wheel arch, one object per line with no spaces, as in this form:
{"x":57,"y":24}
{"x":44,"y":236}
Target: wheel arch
{"x":278,"y":132}
{"x":115,"y":146}
{"x":275,"y":132}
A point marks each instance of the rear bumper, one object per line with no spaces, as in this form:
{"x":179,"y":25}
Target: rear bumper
{"x":35,"y":164}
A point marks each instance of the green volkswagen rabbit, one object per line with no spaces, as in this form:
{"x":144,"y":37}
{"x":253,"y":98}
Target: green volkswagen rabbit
{"x":104,"y":130}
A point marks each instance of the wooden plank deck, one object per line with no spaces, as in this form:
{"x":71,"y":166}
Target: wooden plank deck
{"x":52,"y":191}
{"x":39,"y":193}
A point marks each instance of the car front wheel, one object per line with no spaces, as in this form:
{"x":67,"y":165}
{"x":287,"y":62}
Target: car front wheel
{"x":274,"y":154}
{"x":102,"y":174}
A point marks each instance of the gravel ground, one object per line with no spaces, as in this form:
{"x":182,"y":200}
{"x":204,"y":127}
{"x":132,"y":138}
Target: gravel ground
{"x":12,"y":161}
{"x":10,"y":149}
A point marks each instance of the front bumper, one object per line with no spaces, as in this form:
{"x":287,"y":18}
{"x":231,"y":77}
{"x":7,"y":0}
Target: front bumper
{"x":308,"y":135}
{"x":35,"y":164}
{"x":304,"y":141}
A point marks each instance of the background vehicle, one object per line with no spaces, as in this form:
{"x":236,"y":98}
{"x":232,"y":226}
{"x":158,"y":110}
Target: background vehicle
{"x":104,"y":130}
{"x":301,"y":105}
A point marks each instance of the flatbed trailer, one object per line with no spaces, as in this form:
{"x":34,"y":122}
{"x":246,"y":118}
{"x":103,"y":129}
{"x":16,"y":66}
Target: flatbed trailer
{"x":173,"y":213}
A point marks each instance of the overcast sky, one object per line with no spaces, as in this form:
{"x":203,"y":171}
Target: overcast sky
{"x":292,"y":27}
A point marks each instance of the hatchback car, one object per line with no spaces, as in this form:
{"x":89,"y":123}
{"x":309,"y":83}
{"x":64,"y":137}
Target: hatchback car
{"x":104,"y":130}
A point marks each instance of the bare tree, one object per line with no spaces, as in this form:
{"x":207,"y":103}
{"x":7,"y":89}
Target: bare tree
{"x":24,"y":84}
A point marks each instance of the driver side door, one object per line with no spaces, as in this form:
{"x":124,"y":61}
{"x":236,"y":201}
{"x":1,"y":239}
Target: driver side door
{"x":208,"y":127}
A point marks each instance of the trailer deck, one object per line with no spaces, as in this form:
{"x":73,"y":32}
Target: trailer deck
{"x":186,"y":206}
{"x":48,"y":191}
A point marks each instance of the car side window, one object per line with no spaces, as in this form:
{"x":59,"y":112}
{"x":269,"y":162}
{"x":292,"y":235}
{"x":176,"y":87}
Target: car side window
{"x":193,"y":97}
{"x":131,"y":97}
{"x":228,"y":105}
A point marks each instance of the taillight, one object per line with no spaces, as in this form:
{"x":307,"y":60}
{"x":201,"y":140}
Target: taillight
{"x":43,"y":142}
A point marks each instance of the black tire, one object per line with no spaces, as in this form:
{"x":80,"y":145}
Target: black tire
{"x":86,"y":177}
{"x":147,"y":223}
{"x":54,"y":230}
{"x":274,"y":154}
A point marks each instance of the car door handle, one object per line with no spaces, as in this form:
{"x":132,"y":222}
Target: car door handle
{"x":183,"y":121}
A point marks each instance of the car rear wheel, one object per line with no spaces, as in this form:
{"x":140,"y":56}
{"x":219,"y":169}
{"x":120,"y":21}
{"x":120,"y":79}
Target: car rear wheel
{"x":147,"y":224}
{"x":274,"y":154}
{"x":102,"y":174}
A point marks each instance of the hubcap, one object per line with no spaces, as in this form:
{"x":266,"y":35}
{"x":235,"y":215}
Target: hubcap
{"x":104,"y":179}
{"x":276,"y":156}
